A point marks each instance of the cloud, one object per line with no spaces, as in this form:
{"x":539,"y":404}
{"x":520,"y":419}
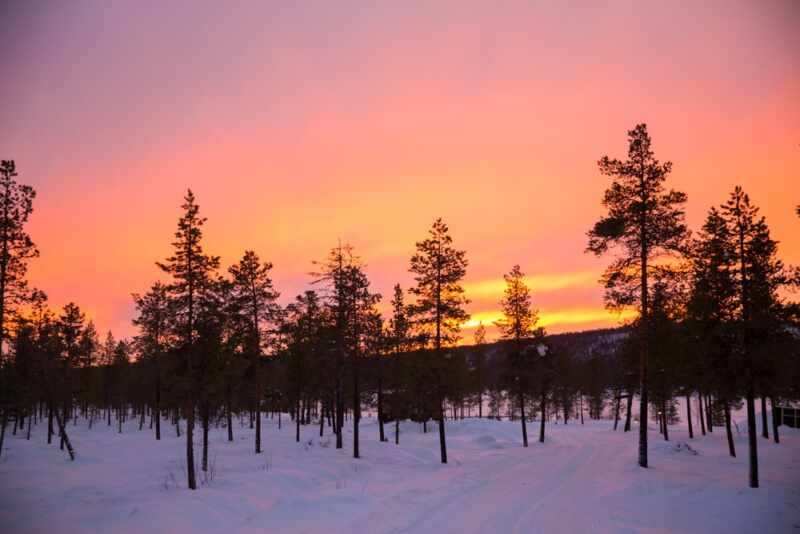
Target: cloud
{"x":541,"y":283}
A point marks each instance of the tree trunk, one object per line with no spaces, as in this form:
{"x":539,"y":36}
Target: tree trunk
{"x":544,"y":415}
{"x":774,"y":420}
{"x":731,"y":448}
{"x":64,"y":437}
{"x":764,"y":426}
{"x":206,"y":416}
{"x":700,"y":412}
{"x":689,"y":414}
{"x":157,"y":409}
{"x":442,"y":441}
{"x":258,"y":422}
{"x":628,"y":412}
{"x":297,"y":420}
{"x":382,"y":436}
{"x":229,"y":415}
{"x":522,"y":418}
{"x":396,"y":430}
{"x":338,"y":413}
{"x":190,"y":475}
{"x":665,"y":419}
{"x":751,"y":436}
{"x":49,"y":423}
{"x":356,"y":407}
{"x":709,"y":414}
{"x":3,"y":429}
{"x":618,"y":401}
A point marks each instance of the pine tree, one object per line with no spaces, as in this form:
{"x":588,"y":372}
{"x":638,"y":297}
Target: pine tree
{"x":254,"y":298}
{"x":711,"y":312}
{"x":438,"y":311}
{"x":644,"y":221}
{"x":399,"y":338}
{"x":191,"y":270}
{"x":154,"y":337}
{"x":519,"y":323}
{"x":759,"y":275}
{"x":16,"y":246}
{"x":479,"y":340}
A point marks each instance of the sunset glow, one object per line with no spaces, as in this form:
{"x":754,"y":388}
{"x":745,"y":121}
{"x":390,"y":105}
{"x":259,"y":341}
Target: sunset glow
{"x":298,"y":127}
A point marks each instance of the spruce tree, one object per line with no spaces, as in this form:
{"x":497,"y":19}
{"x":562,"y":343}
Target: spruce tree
{"x":399,"y":339}
{"x":518,"y":323}
{"x":16,"y":246}
{"x":191,"y":270}
{"x":254,"y":298}
{"x":759,"y":274}
{"x":711,"y":312}
{"x":644,"y":221}
{"x":479,"y":340}
{"x":438,"y":311}
{"x":154,"y":337}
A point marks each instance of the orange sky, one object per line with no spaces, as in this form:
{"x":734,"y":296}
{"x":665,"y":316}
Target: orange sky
{"x":297,"y":125}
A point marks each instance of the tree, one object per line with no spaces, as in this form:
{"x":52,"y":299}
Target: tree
{"x":16,"y":246}
{"x":438,"y":311}
{"x":518,"y":323}
{"x":154,"y":336}
{"x":304,"y":329}
{"x":644,"y":221}
{"x":759,"y":274}
{"x":711,"y":312}
{"x":399,"y":340}
{"x":254,"y":299}
{"x":479,"y":339}
{"x":191,"y":270}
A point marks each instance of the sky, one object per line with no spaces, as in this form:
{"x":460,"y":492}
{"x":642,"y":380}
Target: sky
{"x":298,"y":124}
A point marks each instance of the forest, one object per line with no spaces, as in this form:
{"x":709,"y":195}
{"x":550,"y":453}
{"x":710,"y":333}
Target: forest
{"x":717,"y":329}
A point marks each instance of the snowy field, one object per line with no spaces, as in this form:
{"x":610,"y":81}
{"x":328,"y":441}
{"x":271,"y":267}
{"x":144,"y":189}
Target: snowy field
{"x":583,"y":479}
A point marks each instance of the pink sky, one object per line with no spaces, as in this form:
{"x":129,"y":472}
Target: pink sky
{"x":300,"y":123}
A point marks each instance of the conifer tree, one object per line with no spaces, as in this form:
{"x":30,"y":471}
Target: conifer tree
{"x":518,"y":323}
{"x":759,"y":274}
{"x":438,"y":311}
{"x":399,"y":339}
{"x":479,"y":340}
{"x":191,"y":270}
{"x":154,"y":337}
{"x":16,"y":246}
{"x":644,"y":221}
{"x":254,"y":299}
{"x":711,"y":312}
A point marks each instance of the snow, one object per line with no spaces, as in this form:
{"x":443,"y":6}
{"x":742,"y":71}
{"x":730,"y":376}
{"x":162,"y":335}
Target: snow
{"x":582,"y":479}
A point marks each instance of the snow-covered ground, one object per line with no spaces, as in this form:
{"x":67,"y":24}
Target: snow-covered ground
{"x":582,"y":479}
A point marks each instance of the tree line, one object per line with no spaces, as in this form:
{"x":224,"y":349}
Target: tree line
{"x":212,"y":347}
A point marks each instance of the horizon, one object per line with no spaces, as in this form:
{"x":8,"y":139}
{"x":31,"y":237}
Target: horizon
{"x":297,"y":127}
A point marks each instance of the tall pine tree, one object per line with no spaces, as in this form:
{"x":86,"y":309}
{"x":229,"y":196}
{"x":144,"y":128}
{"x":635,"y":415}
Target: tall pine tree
{"x":16,"y":246}
{"x":644,"y":221}
{"x":191,"y":270}
{"x":254,"y":299}
{"x":518,"y":323}
{"x":438,"y":311}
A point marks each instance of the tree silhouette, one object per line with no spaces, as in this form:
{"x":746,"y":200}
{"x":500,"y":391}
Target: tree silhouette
{"x":254,"y":299}
{"x":16,"y":246}
{"x":644,"y":221}
{"x":438,"y":311}
{"x":191,"y":270}
{"x":518,"y":323}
